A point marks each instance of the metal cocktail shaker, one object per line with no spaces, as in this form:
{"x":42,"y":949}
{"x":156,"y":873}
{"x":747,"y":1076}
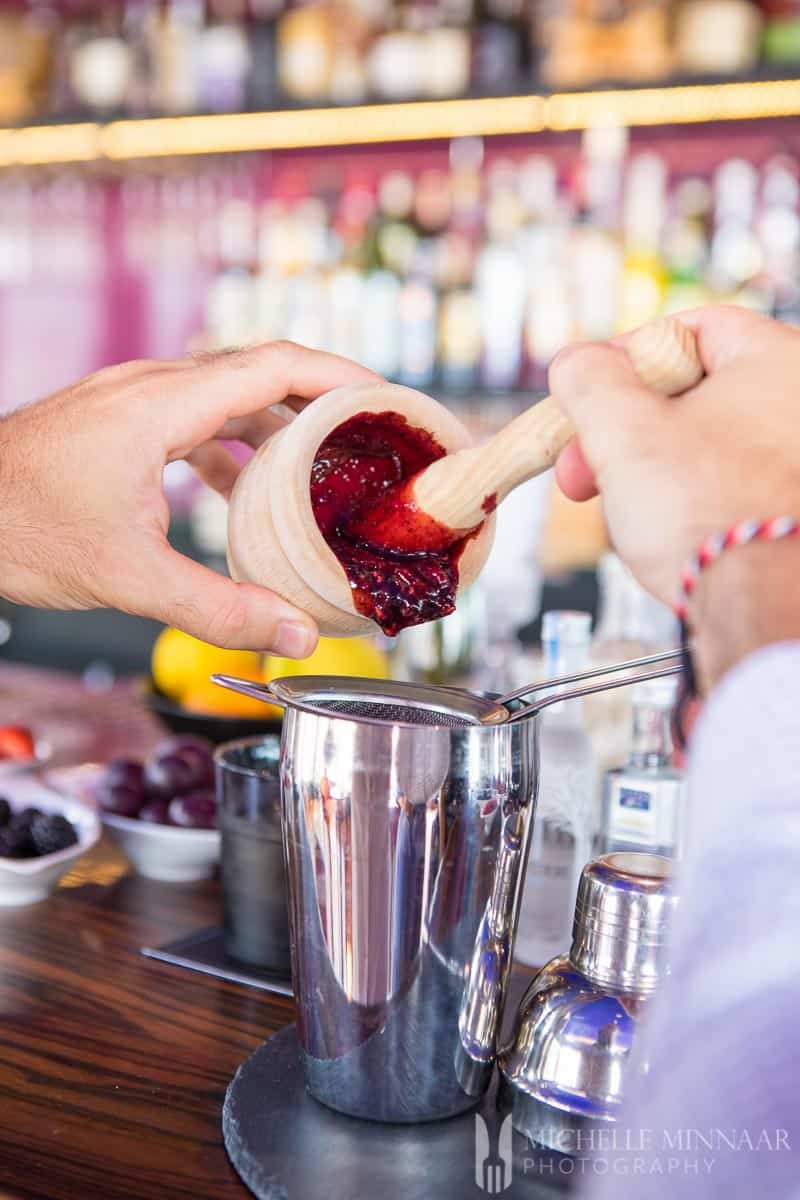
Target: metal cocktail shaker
{"x":565,"y":1070}
{"x":398,"y":840}
{"x":406,"y":819}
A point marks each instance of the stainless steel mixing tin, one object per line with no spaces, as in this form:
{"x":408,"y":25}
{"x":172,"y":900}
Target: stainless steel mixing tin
{"x":407,"y":817}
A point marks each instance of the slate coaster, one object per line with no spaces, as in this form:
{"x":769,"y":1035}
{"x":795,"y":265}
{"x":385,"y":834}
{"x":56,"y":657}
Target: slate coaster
{"x":205,"y":951}
{"x":287,"y":1146}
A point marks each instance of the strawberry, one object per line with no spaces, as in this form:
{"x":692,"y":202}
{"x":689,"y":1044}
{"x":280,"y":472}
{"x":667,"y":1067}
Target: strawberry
{"x":16,"y":742}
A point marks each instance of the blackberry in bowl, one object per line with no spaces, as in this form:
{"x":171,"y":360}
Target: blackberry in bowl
{"x":42,"y":834}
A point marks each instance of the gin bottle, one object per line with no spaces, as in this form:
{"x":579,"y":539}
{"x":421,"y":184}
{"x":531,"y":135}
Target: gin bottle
{"x":643,"y":802}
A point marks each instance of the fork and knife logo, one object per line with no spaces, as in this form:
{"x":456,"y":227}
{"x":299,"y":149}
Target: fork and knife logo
{"x":493,"y":1165}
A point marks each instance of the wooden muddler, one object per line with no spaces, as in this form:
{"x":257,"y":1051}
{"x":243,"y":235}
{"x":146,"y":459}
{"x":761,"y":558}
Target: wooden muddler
{"x":457,"y":491}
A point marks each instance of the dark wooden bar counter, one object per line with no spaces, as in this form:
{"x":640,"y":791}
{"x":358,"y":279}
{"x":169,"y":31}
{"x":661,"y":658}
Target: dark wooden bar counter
{"x":113,"y":1067}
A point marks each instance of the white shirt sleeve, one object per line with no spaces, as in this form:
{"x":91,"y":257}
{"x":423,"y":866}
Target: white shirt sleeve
{"x":718,"y":1112}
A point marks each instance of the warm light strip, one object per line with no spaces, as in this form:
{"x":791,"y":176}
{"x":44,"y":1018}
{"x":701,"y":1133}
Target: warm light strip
{"x":322,"y":127}
{"x":368,"y":124}
{"x":675,"y":106}
{"x":37,"y":145}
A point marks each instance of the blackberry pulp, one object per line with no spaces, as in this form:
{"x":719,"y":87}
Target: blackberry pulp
{"x":356,"y":478}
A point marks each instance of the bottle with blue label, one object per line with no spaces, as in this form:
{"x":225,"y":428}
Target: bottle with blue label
{"x":643,"y":802}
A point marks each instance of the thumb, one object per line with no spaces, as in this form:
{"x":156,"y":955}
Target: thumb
{"x":238,"y":616}
{"x":612,"y":410}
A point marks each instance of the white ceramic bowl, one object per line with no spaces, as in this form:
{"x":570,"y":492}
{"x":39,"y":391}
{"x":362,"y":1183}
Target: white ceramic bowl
{"x":10,"y":767}
{"x":28,"y":880}
{"x":165,"y":852}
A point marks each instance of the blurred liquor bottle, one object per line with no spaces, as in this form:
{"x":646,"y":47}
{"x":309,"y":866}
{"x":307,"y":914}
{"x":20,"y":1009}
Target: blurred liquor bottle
{"x":736,"y":259}
{"x":101,"y":62}
{"x":778,"y":226}
{"x":781,"y":38}
{"x":26,"y":60}
{"x":500,"y":272}
{"x":643,"y":281}
{"x":136,"y":31}
{"x":588,"y":41}
{"x":717,"y":37}
{"x":223,"y":57}
{"x":173,"y":32}
{"x":460,"y":330}
{"x":305,"y":48}
{"x":686,"y":245}
{"x":263,"y":86}
{"x":595,"y":257}
{"x":388,"y":249}
{"x":544,"y":246}
{"x":502,"y":44}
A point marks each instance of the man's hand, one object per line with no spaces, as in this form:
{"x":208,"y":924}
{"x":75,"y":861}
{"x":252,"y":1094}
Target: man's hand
{"x":83,"y":514}
{"x":671,"y":471}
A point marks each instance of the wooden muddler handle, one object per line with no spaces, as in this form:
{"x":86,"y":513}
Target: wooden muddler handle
{"x":459,"y":489}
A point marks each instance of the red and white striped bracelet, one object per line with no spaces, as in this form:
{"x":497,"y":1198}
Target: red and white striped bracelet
{"x":709,"y":550}
{"x":716,"y":544}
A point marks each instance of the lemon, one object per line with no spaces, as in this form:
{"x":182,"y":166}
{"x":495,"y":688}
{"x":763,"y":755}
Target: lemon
{"x":215,"y":701}
{"x":333,"y":656}
{"x":182,"y":664}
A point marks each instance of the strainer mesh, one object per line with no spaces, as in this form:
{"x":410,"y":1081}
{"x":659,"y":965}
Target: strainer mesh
{"x":381,"y":710}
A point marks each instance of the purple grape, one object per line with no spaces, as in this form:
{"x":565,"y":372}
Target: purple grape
{"x":155,"y":813}
{"x":198,"y":810}
{"x":194,"y":750}
{"x":169,"y":775}
{"x":125,"y":771}
{"x":123,"y":800}
{"x":202,"y":762}
{"x":186,"y":741}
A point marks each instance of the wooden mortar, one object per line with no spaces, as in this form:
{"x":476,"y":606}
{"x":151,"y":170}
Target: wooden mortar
{"x":273,"y":537}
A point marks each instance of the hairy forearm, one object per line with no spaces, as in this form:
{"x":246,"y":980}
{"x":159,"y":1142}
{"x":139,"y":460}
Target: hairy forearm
{"x":749,"y":598}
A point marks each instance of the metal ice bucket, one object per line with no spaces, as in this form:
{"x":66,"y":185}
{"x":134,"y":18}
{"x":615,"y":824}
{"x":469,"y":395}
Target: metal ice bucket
{"x":406,"y":842}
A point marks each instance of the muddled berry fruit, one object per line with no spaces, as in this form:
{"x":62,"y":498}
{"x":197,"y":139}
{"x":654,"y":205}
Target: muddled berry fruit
{"x":355,"y":469}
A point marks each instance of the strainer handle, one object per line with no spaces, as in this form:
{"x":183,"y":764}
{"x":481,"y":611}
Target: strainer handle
{"x":672,"y":666}
{"x":248,"y":687}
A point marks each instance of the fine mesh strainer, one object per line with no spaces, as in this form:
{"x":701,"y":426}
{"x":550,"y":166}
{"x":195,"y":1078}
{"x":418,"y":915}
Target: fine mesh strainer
{"x":390,"y":702}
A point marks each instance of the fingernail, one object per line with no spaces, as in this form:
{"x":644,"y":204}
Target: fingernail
{"x":294,"y":639}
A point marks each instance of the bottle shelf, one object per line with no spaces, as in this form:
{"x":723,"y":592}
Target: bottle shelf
{"x":119,"y":141}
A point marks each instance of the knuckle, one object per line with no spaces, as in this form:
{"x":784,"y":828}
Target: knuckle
{"x":283,"y":346}
{"x":228,"y":623}
{"x":571,"y":363}
{"x":582,"y":365}
{"x":285,"y":351}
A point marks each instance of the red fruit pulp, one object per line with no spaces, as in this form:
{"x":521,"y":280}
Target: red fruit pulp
{"x":401,"y":565}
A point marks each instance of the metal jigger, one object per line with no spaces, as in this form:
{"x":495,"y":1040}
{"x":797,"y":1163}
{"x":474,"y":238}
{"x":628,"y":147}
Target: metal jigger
{"x":570,"y":1057}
